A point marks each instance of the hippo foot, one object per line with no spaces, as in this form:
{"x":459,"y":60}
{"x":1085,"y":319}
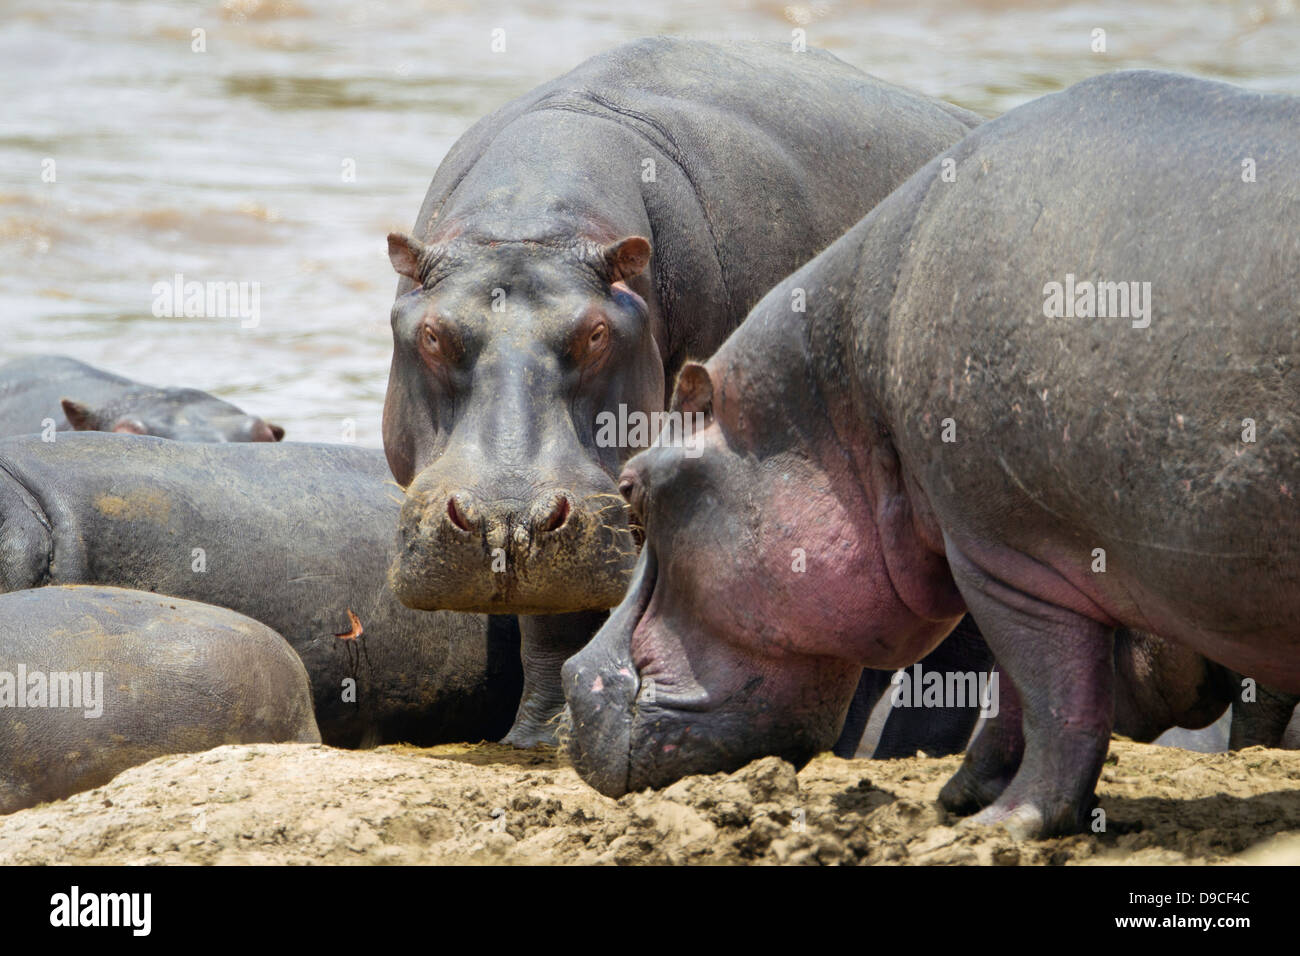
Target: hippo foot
{"x":546,"y":642}
{"x":527,"y":734}
{"x":992,"y":760}
{"x":1025,"y":822}
{"x":1036,"y":817}
{"x":968,"y":791}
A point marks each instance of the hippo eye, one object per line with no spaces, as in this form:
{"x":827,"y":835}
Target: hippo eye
{"x":430,"y":340}
{"x":597,"y":340}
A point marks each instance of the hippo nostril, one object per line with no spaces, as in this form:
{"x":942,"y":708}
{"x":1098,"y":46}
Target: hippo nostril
{"x":558,"y":516}
{"x":456,"y":515}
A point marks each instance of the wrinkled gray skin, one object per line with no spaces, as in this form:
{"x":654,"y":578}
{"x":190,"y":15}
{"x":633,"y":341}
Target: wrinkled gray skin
{"x":935,"y":731}
{"x":293,"y":535}
{"x":621,"y":218}
{"x":1160,"y":685}
{"x":826,"y":433}
{"x":176,"y":677}
{"x":78,"y":396}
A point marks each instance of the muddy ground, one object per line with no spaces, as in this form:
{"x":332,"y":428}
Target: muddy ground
{"x":298,"y":803}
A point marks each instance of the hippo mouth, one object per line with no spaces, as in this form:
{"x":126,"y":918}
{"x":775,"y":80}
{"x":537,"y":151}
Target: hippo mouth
{"x":629,"y":731}
{"x":601,"y":685}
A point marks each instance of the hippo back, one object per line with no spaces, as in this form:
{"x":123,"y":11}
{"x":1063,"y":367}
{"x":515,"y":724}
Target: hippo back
{"x":95,"y":680}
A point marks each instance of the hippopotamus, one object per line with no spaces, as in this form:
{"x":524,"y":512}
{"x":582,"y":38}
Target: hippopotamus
{"x":94,"y":680}
{"x":574,"y":249}
{"x":939,"y":434}
{"x":296,"y":536}
{"x":80,"y":397}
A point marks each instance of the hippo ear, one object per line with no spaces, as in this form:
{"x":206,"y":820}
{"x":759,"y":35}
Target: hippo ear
{"x":404,"y":253}
{"x":277,"y":431}
{"x":130,"y":426}
{"x":694,"y":390}
{"x":80,"y":416}
{"x":627,"y":258}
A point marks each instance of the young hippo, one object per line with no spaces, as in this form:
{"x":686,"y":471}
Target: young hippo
{"x":1049,"y":381}
{"x":1159,"y":687}
{"x":298,"y":536}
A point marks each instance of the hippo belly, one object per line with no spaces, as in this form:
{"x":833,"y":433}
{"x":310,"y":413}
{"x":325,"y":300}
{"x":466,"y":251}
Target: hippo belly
{"x":94,"y":680}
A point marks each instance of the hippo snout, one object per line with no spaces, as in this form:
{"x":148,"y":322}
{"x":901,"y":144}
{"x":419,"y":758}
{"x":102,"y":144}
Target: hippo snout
{"x":552,"y":550}
{"x":259,"y":430}
{"x":601,"y":688}
{"x":508,"y":528}
{"x":651,"y":702}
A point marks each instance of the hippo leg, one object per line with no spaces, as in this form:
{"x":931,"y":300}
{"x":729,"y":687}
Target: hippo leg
{"x":871,"y":687}
{"x":546,"y":642}
{"x":1260,"y":722}
{"x":992,"y":758}
{"x":940,"y":731}
{"x":1067,"y":659}
{"x":1291,"y":736}
{"x":935,"y":732}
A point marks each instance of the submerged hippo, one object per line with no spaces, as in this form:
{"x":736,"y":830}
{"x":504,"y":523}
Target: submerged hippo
{"x":77,"y":396}
{"x":574,"y":249}
{"x":95,"y":680}
{"x":297,"y":536}
{"x":937,"y":435}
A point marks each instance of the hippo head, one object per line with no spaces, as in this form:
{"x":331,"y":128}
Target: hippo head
{"x":760,"y":592}
{"x":511,"y":360}
{"x":182,"y":414}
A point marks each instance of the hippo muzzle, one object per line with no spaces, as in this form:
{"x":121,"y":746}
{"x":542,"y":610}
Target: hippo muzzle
{"x":552,"y":549}
{"x":709,"y":712}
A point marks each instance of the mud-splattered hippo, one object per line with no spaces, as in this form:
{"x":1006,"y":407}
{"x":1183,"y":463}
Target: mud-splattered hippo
{"x":94,"y":680}
{"x":1050,"y":380}
{"x":574,"y":249}
{"x":74,"y":395}
{"x":293,"y":535}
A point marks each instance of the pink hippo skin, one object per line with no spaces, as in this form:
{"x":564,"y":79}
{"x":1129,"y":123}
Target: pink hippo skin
{"x":935,"y":443}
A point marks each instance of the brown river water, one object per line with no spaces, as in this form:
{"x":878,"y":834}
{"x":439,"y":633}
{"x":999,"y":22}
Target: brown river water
{"x":281,"y":154}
